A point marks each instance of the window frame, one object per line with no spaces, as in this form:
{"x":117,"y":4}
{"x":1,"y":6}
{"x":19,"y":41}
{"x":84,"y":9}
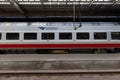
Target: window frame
{"x":30,"y":33}
{"x":106,"y":37}
{"x":1,"y":35}
{"x":111,"y":35}
{"x":66,"y":38}
{"x":83,"y":38}
{"x":12,"y":33}
{"x":47,"y":36}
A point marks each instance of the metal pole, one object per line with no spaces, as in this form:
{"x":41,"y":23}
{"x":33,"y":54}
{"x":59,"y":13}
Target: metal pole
{"x":74,"y":14}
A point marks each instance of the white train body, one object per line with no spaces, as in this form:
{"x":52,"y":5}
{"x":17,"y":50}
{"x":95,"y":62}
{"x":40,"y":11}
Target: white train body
{"x":60,"y":35}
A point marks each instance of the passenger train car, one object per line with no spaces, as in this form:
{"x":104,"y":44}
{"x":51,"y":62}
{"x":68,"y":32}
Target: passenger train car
{"x":96,"y":36}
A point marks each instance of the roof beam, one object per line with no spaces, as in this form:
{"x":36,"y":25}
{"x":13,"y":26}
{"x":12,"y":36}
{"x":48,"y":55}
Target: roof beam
{"x":91,"y":2}
{"x":17,"y":6}
{"x":115,"y":2}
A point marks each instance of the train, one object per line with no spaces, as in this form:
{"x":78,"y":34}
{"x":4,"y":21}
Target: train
{"x":98,"y":37}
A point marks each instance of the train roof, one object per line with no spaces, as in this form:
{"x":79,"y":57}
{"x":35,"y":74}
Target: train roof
{"x":53,"y":26}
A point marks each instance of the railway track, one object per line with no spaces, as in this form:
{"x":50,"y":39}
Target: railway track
{"x":88,"y":76}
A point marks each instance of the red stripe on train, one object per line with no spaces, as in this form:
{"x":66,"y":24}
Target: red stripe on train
{"x":59,"y":45}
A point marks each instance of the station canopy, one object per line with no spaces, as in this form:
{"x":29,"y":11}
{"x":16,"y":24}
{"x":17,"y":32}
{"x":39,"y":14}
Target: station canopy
{"x":59,"y":2}
{"x":59,"y":7}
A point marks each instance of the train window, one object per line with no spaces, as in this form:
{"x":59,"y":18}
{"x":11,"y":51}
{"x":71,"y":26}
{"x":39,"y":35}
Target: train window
{"x":12,"y":36}
{"x":65,"y":35}
{"x":0,"y":35}
{"x":48,"y":36}
{"x":82,"y":36}
{"x":100,"y":35}
{"x":115,"y":35}
{"x":30,"y":36}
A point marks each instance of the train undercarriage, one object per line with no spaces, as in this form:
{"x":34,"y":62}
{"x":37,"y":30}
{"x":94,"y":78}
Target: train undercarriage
{"x":61,"y":51}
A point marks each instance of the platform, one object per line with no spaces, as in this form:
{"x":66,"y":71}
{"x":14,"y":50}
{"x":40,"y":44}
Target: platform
{"x":58,"y":57}
{"x":59,"y":63}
